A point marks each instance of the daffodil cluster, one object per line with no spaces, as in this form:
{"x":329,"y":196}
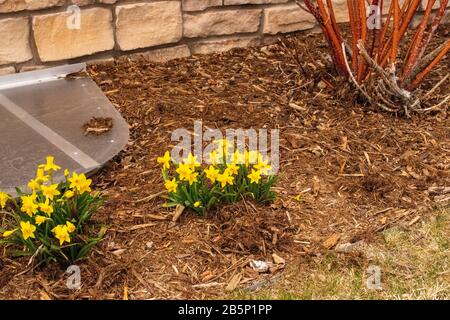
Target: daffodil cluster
{"x":227,"y":176}
{"x":48,"y":219}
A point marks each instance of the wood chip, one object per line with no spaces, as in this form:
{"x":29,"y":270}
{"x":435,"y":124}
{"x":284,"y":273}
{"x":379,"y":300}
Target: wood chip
{"x":178,"y":211}
{"x":331,"y":241}
{"x":234,"y":282}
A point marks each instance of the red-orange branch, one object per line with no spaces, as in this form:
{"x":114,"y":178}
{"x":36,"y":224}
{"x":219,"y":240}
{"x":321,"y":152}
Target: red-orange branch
{"x":417,"y":41}
{"x":363,"y":26}
{"x":422,"y":74}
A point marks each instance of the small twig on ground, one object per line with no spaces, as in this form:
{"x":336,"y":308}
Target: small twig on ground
{"x":150,"y":197}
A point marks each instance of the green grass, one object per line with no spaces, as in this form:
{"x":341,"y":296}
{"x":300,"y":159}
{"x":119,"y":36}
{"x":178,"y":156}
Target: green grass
{"x":414,"y":263}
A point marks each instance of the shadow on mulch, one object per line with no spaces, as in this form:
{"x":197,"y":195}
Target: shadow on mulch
{"x":358,"y":171}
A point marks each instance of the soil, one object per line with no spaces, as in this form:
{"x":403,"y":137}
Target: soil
{"x":358,"y":171}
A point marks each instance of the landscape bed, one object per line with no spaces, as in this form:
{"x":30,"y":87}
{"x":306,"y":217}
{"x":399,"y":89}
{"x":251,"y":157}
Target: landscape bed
{"x":358,"y":171}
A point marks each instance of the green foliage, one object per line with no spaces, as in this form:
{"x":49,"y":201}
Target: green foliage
{"x":52,"y":222}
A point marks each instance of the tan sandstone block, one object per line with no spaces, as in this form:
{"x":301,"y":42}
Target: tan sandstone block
{"x":287,"y":18}
{"x":55,"y":41}
{"x":236,"y":2}
{"x":19,"y":5}
{"x":165,"y":54}
{"x":222,"y":22}
{"x":222,"y":45}
{"x":7,"y":70}
{"x":14,"y":34}
{"x":198,"y":5}
{"x":340,"y":10}
{"x":148,"y":24}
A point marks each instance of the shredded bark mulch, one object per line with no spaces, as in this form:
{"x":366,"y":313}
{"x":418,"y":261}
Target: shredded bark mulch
{"x":98,"y":126}
{"x":357,"y":170}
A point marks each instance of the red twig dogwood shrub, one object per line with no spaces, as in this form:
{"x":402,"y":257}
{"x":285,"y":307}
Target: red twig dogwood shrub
{"x":370,"y":57}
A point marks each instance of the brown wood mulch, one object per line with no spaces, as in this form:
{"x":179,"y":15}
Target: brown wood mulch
{"x":358,"y":171}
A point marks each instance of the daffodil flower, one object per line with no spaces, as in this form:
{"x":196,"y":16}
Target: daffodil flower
{"x":27,"y":230}
{"x":50,"y":165}
{"x":40,"y":176}
{"x":212,"y":173}
{"x":50,"y":191}
{"x":46,"y":207}
{"x":192,"y":177}
{"x":191,"y":161}
{"x":225,"y":179}
{"x":251,"y":157}
{"x":28,"y":205}
{"x":214,"y":157}
{"x":3,"y":199}
{"x":61,"y":233}
{"x":263,"y":166}
{"x":238,"y":157}
{"x":80,"y":183}
{"x":84,"y":185}
{"x":70,"y":227}
{"x":34,"y":185}
{"x":39,"y":220}
{"x":164,"y":160}
{"x":197,"y":204}
{"x":232,"y":169}
{"x":224,"y":145}
{"x":171,"y":185}
{"x":69,"y":194}
{"x":255,"y":176}
{"x":8,"y":233}
{"x":184,"y":171}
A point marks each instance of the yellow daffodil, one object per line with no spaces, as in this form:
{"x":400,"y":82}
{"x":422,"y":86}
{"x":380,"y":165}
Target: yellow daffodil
{"x":232,"y":168}
{"x":251,"y":157}
{"x":214,"y":157}
{"x":40,"y":176}
{"x":61,"y":233}
{"x":171,"y":185}
{"x":66,"y":173}
{"x":84,"y":184}
{"x":191,"y":161}
{"x":39,"y":220}
{"x":212,"y":173}
{"x":69,"y":194}
{"x":197,"y":204}
{"x":225,"y":179}
{"x":192,"y":177}
{"x":50,"y":191}
{"x":27,"y":229}
{"x":34,"y":185}
{"x":28,"y":205}
{"x":46,"y":207}
{"x":165,"y":160}
{"x":224,"y":145}
{"x":80,"y":183}
{"x":263,"y":166}
{"x":70,"y":226}
{"x":184,"y":171}
{"x":3,"y":199}
{"x":74,"y":180}
{"x":255,"y":176}
{"x":8,"y":233}
{"x":50,"y":165}
{"x":238,"y":158}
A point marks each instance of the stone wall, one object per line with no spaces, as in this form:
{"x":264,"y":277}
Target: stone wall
{"x":39,"y":33}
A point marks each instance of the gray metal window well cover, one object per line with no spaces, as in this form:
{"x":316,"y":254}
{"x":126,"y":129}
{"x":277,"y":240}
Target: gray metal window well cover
{"x":43,"y":113}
